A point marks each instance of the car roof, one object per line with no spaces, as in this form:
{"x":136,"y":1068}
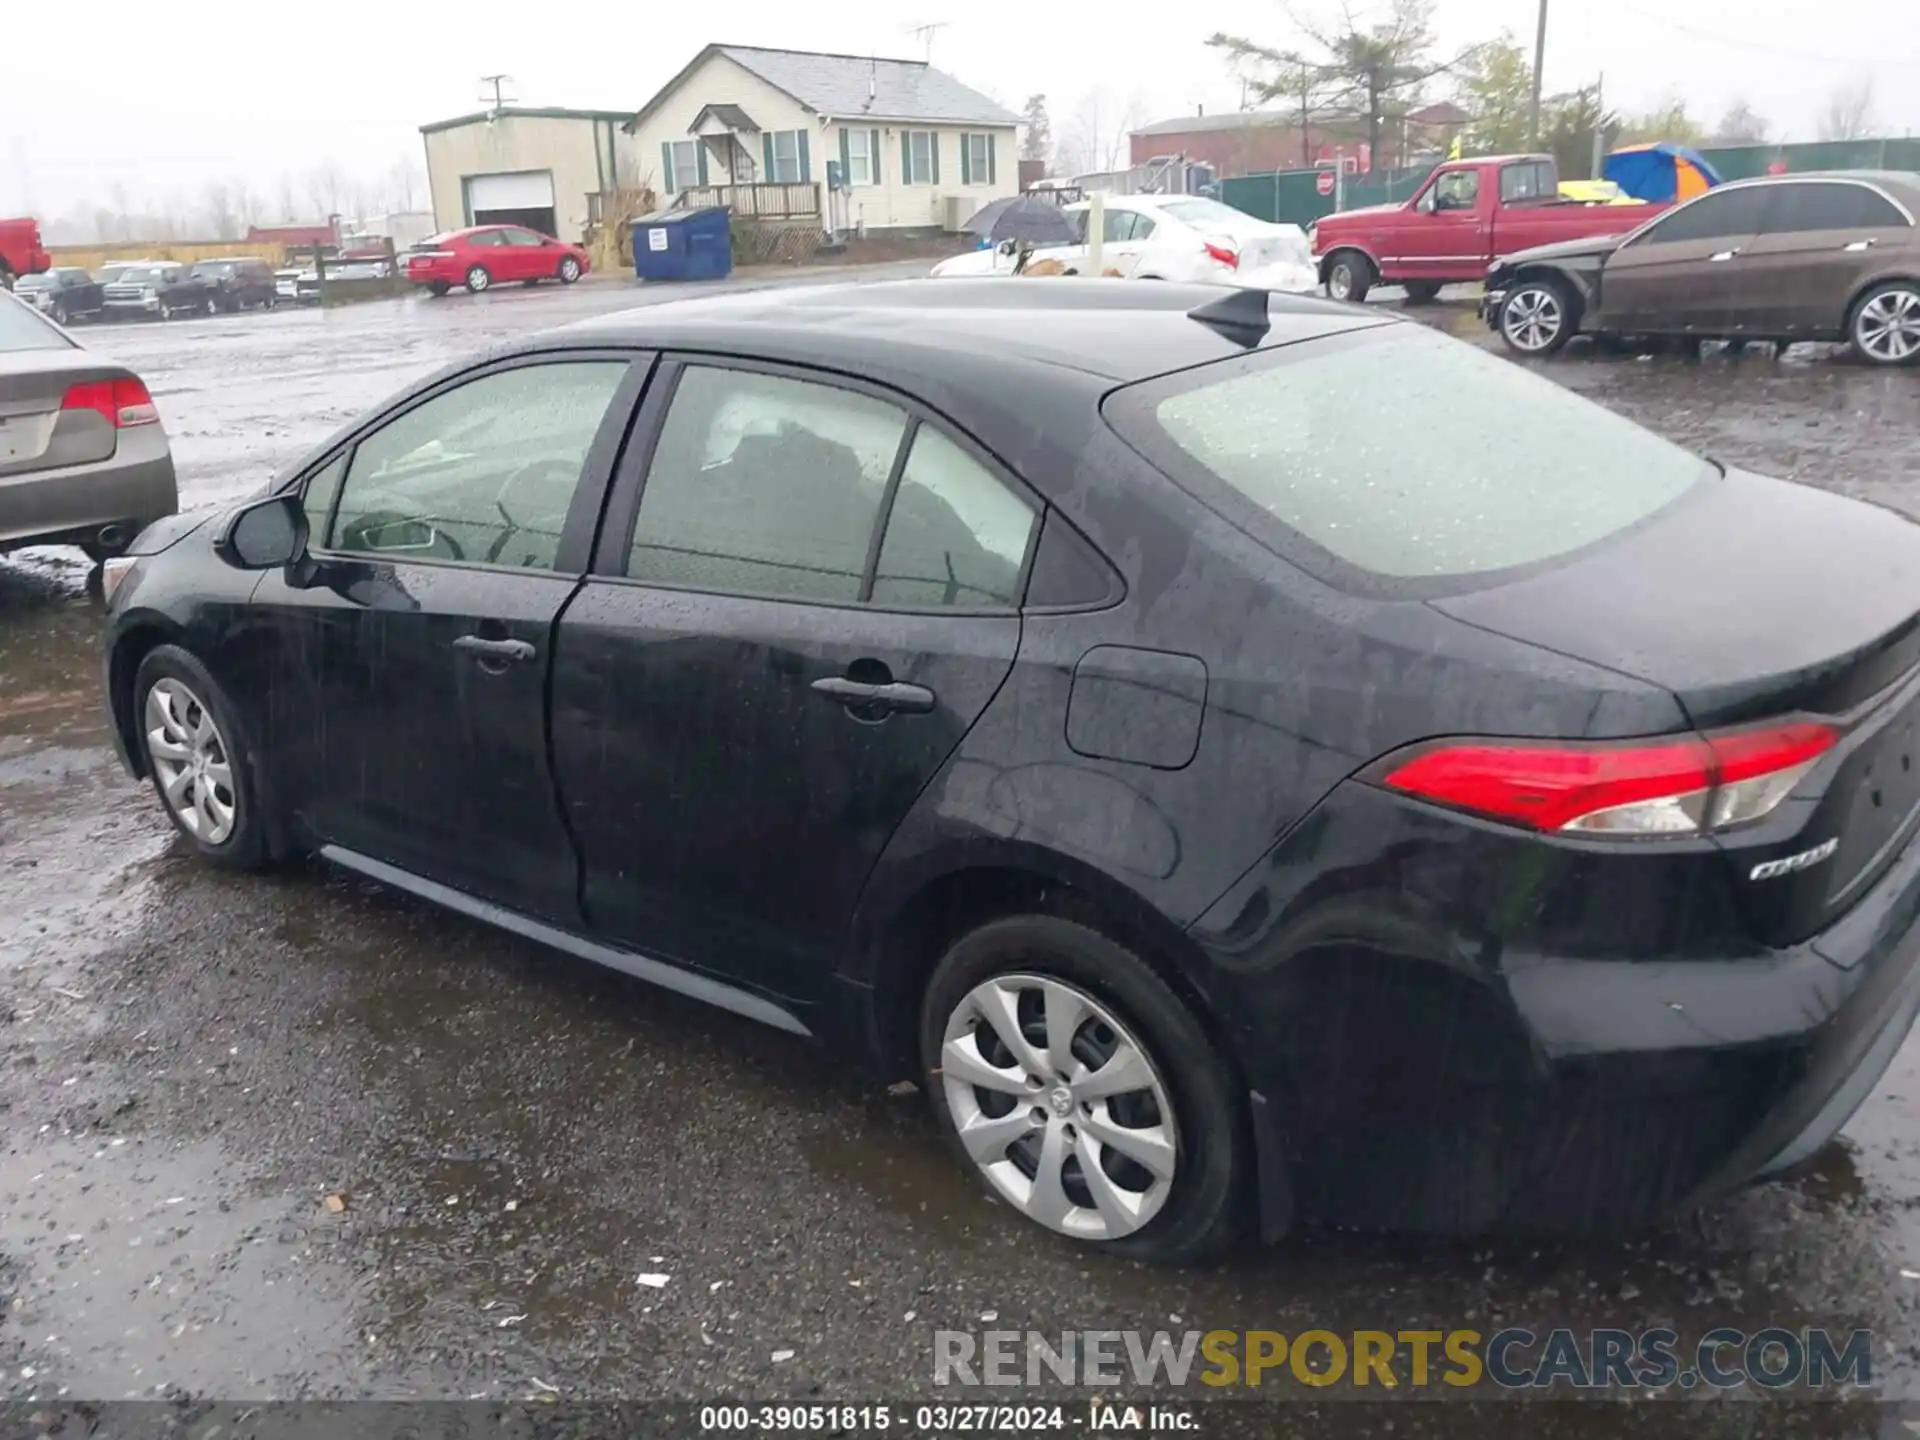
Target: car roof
{"x":1118,"y":330}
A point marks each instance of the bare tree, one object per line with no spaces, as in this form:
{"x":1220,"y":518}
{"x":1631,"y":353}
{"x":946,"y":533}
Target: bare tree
{"x":1849,"y":113}
{"x":404,"y":183}
{"x":327,"y":187}
{"x":1372,"y":70}
{"x":286,"y":196}
{"x":122,"y":219}
{"x":246,"y":205}
{"x":1742,"y":125}
{"x":1099,"y":136}
{"x":217,"y":200}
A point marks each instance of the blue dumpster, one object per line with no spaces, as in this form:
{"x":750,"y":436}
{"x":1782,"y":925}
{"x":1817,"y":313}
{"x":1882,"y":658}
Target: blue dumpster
{"x":683,"y":245}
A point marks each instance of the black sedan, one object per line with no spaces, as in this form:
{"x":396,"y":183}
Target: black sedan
{"x":1203,"y":738}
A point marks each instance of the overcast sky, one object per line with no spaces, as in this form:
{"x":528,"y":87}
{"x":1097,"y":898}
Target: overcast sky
{"x":183,"y":96}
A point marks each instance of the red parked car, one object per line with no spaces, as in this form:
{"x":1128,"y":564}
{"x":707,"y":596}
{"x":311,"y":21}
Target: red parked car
{"x":488,"y":255}
{"x":1468,"y":214}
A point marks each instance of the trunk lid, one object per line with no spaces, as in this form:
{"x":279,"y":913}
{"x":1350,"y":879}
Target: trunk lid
{"x":35,"y":433}
{"x":1751,"y":599}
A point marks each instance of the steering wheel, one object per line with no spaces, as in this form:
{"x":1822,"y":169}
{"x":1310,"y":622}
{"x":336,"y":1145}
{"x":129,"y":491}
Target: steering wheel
{"x":566,"y":470}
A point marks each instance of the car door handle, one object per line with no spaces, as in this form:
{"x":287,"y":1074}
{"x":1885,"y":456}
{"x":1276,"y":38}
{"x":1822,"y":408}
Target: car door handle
{"x":1724,"y":255}
{"x":495,"y":652}
{"x":893,"y":695}
{"x":1858,"y":245}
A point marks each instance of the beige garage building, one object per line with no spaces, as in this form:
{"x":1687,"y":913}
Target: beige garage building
{"x":520,"y":166}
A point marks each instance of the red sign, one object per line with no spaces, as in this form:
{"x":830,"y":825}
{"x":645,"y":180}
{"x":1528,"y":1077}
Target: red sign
{"x":1323,"y":182}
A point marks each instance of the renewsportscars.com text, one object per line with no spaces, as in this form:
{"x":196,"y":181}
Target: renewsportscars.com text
{"x":1515,"y":1358}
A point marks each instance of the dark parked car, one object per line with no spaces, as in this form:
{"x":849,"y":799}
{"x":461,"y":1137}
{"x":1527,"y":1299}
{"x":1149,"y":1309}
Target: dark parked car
{"x":163,"y":288}
{"x":1170,"y":728}
{"x":1797,"y":257}
{"x":64,"y":294}
{"x":238,"y":283}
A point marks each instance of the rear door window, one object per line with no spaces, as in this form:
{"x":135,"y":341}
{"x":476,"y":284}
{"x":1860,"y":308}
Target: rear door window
{"x":1830,"y":205}
{"x":1400,"y":457}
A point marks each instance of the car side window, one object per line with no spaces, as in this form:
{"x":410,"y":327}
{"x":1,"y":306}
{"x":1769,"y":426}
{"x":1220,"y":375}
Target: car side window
{"x":1531,"y":181}
{"x":483,"y":473}
{"x":521,"y":237}
{"x":765,"y":485}
{"x":1457,"y":190}
{"x":1142,"y":228}
{"x":955,"y":535}
{"x":1717,"y":215}
{"x":1830,"y":205}
{"x":487,"y":237}
{"x":1117,"y":225}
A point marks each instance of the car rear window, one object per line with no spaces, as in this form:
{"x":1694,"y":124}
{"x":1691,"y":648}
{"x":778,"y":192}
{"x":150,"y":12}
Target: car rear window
{"x":21,"y":329}
{"x":1399,"y":455}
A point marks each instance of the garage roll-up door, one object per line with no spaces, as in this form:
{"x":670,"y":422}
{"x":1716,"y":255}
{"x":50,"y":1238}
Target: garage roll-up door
{"x":520,"y":190}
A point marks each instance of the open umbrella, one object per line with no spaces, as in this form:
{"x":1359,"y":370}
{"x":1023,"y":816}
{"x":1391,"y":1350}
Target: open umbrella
{"x":1660,"y":171}
{"x":1024,"y":218}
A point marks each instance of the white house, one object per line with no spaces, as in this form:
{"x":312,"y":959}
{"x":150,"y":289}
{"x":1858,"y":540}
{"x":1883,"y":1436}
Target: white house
{"x":755,"y":129}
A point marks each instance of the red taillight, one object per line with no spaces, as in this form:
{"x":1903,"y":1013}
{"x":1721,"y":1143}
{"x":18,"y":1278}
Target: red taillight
{"x":119,"y":402}
{"x":1678,"y":786}
{"x":1226,"y":257}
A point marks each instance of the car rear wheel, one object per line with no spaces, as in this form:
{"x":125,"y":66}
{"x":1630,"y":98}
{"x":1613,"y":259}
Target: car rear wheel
{"x":438,"y":287}
{"x":1885,"y":328}
{"x":60,"y":315}
{"x":1349,"y":276}
{"x":569,"y":270}
{"x":197,"y":760}
{"x":1083,"y":1091}
{"x":1537,"y":317}
{"x":478,"y":279}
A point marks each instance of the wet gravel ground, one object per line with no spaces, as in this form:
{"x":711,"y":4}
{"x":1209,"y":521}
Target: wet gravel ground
{"x":301,"y":1136}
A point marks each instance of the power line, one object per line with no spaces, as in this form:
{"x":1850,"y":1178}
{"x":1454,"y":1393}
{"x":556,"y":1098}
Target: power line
{"x":1735,"y":40}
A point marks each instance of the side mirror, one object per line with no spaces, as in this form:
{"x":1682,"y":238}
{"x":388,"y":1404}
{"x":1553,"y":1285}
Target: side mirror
{"x":264,"y":535}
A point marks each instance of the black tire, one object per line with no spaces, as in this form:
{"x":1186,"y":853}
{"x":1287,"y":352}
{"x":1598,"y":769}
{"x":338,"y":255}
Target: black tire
{"x":1422,"y":292}
{"x":1205,"y":1206}
{"x":1901,"y":297}
{"x":1538,"y":317}
{"x":438,"y":288}
{"x":60,"y":316}
{"x":245,"y":847}
{"x":569,"y":270}
{"x":1350,"y":275}
{"x":529,"y":284}
{"x":478,"y":279}
{"x":99,"y":554}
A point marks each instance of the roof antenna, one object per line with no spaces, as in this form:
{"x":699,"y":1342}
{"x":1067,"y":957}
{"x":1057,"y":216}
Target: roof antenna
{"x":873,"y":80}
{"x":924,"y":33}
{"x":1238,"y":315}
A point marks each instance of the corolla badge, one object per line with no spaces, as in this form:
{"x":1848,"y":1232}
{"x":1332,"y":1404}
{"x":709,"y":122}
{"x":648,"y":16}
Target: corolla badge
{"x":1787,"y":865}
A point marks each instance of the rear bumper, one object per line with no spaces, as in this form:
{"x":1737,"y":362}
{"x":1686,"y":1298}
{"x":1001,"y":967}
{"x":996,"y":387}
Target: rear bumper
{"x":1405,"y":1078}
{"x":133,"y":488}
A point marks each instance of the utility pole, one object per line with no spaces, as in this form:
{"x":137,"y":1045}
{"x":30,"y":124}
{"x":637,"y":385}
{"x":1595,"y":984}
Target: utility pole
{"x":500,"y":99}
{"x":1599,"y":125}
{"x":1539,"y":63}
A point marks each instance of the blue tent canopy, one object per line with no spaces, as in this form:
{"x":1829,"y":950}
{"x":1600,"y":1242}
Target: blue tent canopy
{"x":1660,"y":172}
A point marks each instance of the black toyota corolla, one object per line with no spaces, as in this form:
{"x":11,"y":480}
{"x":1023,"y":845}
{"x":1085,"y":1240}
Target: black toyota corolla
{"x":1253,"y":760}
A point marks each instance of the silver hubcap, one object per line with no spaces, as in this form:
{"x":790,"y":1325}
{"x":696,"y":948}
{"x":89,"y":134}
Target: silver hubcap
{"x":191,"y":762}
{"x":1532,"y":319}
{"x":1888,"y":326}
{"x":1340,"y":282}
{"x":570,"y":269}
{"x":1060,"y":1106}
{"x":477,"y":279}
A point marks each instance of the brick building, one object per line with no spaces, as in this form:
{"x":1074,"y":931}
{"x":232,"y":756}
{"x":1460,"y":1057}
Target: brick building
{"x":1253,"y":142}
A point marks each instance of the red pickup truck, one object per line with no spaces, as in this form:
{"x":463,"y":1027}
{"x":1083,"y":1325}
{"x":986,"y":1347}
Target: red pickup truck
{"x":20,"y":251}
{"x":1468,"y":214}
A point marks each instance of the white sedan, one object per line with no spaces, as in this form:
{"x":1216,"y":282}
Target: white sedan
{"x":1170,"y":237}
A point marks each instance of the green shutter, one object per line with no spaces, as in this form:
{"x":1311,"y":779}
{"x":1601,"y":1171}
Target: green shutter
{"x":806,"y":159}
{"x":700,"y":159}
{"x":846,"y":160}
{"x":667,"y":187}
{"x":993,"y":144}
{"x":933,"y":151}
{"x":966,"y":158}
{"x":873,"y":154}
{"x":766,"y":150}
{"x":906,"y":157}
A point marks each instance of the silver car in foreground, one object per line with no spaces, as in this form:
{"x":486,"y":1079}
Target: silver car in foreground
{"x":83,"y":457}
